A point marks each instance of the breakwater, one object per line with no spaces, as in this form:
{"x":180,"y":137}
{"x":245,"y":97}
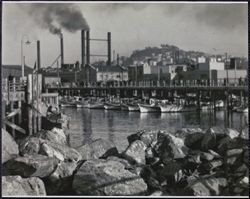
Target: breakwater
{"x":185,"y":162}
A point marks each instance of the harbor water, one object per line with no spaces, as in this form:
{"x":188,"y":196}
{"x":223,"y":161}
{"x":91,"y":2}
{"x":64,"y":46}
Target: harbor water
{"x":88,"y":124}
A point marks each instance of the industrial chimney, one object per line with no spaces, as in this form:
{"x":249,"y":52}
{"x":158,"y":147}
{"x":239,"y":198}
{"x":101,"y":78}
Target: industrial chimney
{"x":83,"y":47}
{"x":118,"y":60}
{"x":38,"y":56}
{"x":109,"y":48}
{"x":87,"y":47}
{"x":62,"y":51}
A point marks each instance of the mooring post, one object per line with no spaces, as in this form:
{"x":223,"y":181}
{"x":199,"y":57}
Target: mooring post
{"x":12,"y":104}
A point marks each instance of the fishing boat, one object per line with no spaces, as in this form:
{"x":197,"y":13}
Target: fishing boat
{"x":219,"y":104}
{"x":67,"y":103}
{"x":95,"y":105}
{"x":241,"y":109}
{"x":112,"y":106}
{"x":145,"y":108}
{"x":124,"y":107}
{"x":133,"y":107}
{"x":171,"y":108}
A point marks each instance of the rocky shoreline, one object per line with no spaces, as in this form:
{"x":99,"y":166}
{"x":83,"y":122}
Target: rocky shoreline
{"x":189,"y":162}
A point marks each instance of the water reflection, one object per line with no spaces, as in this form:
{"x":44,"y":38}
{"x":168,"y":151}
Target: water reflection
{"x":110,"y":120}
{"x":115,"y":126}
{"x":87,"y":125}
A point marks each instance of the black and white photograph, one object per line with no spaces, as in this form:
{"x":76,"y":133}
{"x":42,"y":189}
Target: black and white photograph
{"x":125,"y":99}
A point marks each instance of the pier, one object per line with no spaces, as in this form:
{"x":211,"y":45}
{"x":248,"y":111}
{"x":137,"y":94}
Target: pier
{"x":219,"y":90}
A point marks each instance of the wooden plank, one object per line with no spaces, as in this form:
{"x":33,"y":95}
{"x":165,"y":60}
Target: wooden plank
{"x":14,"y":126}
{"x":13,"y":113}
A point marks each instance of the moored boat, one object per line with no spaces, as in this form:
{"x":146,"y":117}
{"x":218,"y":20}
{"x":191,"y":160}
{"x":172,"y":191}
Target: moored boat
{"x":124,"y":107}
{"x":133,"y":107}
{"x":172,"y":108}
{"x":112,"y":106}
{"x":96,"y":105}
{"x":144,"y":108}
{"x":241,"y":110}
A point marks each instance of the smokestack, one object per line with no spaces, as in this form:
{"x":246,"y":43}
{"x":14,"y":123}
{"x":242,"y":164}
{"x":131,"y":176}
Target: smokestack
{"x":83,"y":47}
{"x":87,"y":47}
{"x":118,"y":59}
{"x":109,"y":48}
{"x":62,"y":51}
{"x":38,"y":56}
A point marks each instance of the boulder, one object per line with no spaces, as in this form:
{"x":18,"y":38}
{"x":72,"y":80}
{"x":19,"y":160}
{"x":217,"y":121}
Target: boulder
{"x":206,"y":156}
{"x":61,"y":152}
{"x":123,"y":161}
{"x":34,"y":145}
{"x":60,"y":181}
{"x":135,"y":153}
{"x":232,"y":133}
{"x":227,"y":143}
{"x":212,"y":165}
{"x":246,"y":156}
{"x":18,"y":186}
{"x":172,"y":172}
{"x":99,"y":148}
{"x":55,"y":135}
{"x":30,"y":145}
{"x":157,"y":193}
{"x":135,"y":136}
{"x":194,"y":158}
{"x":234,"y":156}
{"x":149,"y":138}
{"x":9,"y":146}
{"x":242,"y":170}
{"x":183,"y":132}
{"x":32,"y":166}
{"x":170,"y":147}
{"x":223,"y":132}
{"x":107,"y":178}
{"x":205,"y":186}
{"x":245,"y":133}
{"x":209,"y":140}
{"x":193,"y":141}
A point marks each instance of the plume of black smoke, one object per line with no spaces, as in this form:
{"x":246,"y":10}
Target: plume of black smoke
{"x":55,"y":17}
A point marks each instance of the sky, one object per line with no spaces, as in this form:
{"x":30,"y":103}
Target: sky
{"x":209,"y":27}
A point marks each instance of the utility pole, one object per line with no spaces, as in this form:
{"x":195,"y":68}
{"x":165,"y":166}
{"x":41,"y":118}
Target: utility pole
{"x":235,"y":71}
{"x":226,"y":69}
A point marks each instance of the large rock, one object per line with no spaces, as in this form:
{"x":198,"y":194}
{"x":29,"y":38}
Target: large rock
{"x":99,"y":148}
{"x":55,"y":135}
{"x":183,"y":132}
{"x":32,"y":166}
{"x":227,"y":143}
{"x":148,"y":137}
{"x":60,"y":181}
{"x":135,"y":153}
{"x":107,"y":178}
{"x":170,"y":147}
{"x":172,"y":172}
{"x":30,"y":145}
{"x":9,"y":146}
{"x":205,"y":186}
{"x":17,"y":186}
{"x":234,"y":156}
{"x":34,"y":145}
{"x":61,"y":152}
{"x":209,"y":140}
{"x":193,"y":140}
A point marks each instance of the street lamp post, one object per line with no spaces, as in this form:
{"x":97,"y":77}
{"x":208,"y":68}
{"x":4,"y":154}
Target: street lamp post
{"x":22,"y":61}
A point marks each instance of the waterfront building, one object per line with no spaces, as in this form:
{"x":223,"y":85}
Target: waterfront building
{"x":15,"y":71}
{"x":111,"y":73}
